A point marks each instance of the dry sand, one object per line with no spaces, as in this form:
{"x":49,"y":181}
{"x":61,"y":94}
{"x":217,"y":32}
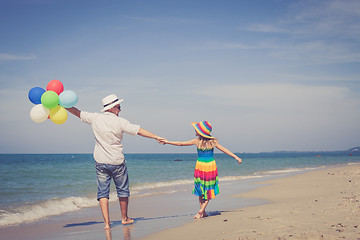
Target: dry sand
{"x":323,"y":204}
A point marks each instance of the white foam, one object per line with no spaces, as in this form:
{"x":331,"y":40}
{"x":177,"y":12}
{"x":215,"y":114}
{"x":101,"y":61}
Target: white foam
{"x":353,"y":163}
{"x":148,"y":186}
{"x":44,"y":209}
{"x":234,"y":178}
{"x":284,"y":171}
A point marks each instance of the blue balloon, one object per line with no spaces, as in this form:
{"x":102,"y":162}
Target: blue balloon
{"x":35,"y":94}
{"x":68,"y":99}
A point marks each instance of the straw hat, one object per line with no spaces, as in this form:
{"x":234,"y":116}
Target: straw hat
{"x":203,"y":128}
{"x":110,"y":102}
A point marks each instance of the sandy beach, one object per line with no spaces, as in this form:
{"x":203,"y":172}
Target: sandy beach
{"x":152,"y":213}
{"x":323,"y":204}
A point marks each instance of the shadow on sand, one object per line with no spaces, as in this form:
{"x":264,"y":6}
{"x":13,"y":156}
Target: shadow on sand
{"x":138,"y":219}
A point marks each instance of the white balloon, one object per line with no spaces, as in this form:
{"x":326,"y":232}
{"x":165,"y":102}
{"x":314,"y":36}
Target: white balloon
{"x":39,"y":113}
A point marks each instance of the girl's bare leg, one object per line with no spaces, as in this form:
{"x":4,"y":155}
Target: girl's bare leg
{"x":202,"y":201}
{"x":203,"y":204}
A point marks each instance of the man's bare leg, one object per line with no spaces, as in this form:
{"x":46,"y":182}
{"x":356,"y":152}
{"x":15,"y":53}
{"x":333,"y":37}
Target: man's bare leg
{"x":104,"y":205}
{"x":124,"y":202}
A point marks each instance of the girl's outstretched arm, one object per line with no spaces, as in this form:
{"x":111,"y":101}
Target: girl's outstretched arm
{"x":228,"y":152}
{"x":185,"y":143}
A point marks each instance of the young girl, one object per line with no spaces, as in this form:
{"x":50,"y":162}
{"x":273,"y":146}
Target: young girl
{"x":205,"y":175}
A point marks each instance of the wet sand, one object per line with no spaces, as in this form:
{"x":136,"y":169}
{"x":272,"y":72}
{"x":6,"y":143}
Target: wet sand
{"x":152,"y":213}
{"x":323,"y":204}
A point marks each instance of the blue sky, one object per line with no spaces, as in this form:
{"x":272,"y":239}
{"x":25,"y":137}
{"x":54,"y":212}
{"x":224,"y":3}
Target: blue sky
{"x":269,"y":75}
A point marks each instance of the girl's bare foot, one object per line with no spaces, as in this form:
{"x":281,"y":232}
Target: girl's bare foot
{"x":127,"y":221}
{"x":107,"y":227}
{"x":199,"y":215}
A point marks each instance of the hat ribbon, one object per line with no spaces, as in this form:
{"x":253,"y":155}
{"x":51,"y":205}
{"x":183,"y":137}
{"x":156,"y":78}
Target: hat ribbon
{"x":111,"y":103}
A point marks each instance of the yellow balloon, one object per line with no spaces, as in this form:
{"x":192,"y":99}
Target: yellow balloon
{"x":58,"y":114}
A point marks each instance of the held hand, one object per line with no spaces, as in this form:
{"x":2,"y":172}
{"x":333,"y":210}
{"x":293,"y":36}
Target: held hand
{"x":238,"y":159}
{"x":161,"y":140}
{"x":165,"y":141}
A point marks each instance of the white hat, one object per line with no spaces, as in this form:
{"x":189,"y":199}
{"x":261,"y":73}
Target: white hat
{"x":110,"y":102}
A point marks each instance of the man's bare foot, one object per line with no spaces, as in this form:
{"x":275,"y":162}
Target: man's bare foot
{"x":128,"y":221}
{"x":107,"y":227}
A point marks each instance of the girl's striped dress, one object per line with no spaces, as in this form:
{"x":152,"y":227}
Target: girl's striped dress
{"x":206,"y":175}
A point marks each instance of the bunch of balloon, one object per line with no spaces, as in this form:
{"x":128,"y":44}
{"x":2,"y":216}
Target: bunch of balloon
{"x":51,"y":103}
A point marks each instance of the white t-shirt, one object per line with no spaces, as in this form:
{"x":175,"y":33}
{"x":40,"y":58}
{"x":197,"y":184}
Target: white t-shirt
{"x":108,"y":131}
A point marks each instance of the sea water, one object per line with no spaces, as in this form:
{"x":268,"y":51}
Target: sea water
{"x":34,"y":186}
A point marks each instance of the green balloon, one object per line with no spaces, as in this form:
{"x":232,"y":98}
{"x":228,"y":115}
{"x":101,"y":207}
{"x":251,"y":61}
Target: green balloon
{"x":50,"y":99}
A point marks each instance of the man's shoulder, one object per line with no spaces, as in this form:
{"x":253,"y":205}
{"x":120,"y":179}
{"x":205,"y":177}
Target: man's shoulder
{"x":88,"y":115}
{"x":122,"y":119}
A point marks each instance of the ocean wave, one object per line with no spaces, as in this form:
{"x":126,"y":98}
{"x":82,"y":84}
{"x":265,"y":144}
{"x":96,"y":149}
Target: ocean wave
{"x":287,"y":170}
{"x":44,"y":209}
{"x":353,"y":163}
{"x":235,"y":178}
{"x":153,"y":185}
{"x":57,"y":206}
{"x":52,"y":207}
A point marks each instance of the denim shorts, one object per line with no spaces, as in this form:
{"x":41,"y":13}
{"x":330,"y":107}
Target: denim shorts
{"x":118,"y":173}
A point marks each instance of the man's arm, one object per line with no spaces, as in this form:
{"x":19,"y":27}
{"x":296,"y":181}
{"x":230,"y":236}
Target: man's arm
{"x":74,"y":111}
{"x":145,"y":133}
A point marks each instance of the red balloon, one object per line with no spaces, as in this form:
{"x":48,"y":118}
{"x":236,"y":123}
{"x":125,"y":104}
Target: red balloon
{"x":56,"y":86}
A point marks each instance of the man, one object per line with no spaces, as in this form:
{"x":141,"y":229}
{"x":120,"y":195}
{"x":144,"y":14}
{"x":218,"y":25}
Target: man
{"x":108,"y":130}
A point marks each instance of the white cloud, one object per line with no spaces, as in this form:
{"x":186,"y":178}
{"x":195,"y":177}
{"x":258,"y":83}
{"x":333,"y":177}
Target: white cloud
{"x":351,"y":7}
{"x":287,"y":116}
{"x":12,"y":57}
{"x":316,"y":32}
{"x":332,"y":18}
{"x":321,"y":52}
{"x":283,"y":104}
{"x":266,"y":28}
{"x":311,"y":51}
{"x":277,"y":96}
